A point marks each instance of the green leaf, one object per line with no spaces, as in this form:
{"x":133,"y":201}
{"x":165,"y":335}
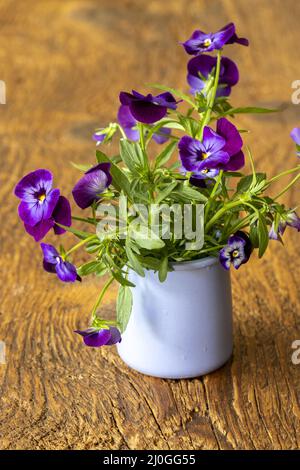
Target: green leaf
{"x":119,"y":179}
{"x":175,"y":92}
{"x":165,"y":155}
{"x":163,"y":269}
{"x":188,"y":194}
{"x":134,"y":157}
{"x":121,"y":279}
{"x":79,"y":233}
{"x":145,"y":238}
{"x":191,"y":126}
{"x":133,"y":260}
{"x":165,"y":192}
{"x":246,"y":181}
{"x":253,"y":234}
{"x":250,"y":110}
{"x":124,"y":307}
{"x":90,"y":267}
{"x":263,"y":235}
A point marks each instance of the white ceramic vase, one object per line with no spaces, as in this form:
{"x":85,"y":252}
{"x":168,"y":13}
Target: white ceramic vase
{"x":180,"y":328}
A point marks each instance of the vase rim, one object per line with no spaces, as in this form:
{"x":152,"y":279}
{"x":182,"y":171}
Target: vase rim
{"x":194,"y":264}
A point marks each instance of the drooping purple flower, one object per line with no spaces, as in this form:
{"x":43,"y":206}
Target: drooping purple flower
{"x":197,"y":156}
{"x":54,"y":263}
{"x":96,"y":337}
{"x":61,"y":215}
{"x":292,"y":220}
{"x":129,"y":125}
{"x":201,"y":42}
{"x":201,"y":68}
{"x":98,"y":138}
{"x":38,"y":199}
{"x":275,"y":234}
{"x":295,"y":135}
{"x":148,"y":109}
{"x":237,"y":251}
{"x":232,"y":146}
{"x":90,"y":187}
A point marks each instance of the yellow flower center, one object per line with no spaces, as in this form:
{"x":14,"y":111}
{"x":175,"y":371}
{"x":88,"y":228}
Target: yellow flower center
{"x":235,"y":253}
{"x":42,"y":197}
{"x":204,"y":156}
{"x":205,"y":171}
{"x":207,"y":42}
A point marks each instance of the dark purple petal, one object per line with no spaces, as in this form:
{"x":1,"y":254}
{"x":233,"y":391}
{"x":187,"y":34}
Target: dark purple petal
{"x":231,"y":135}
{"x":32,"y":183}
{"x":50,"y":253}
{"x":62,"y":215}
{"x":147,"y":112}
{"x":50,"y":268}
{"x":235,"y":39}
{"x":162,"y":135}
{"x":39,"y":230}
{"x":93,"y":338}
{"x":115,"y":336}
{"x":295,"y":135}
{"x":66,"y":271}
{"x":235,"y":163}
{"x":165,"y":99}
{"x":148,"y":109}
{"x":89,"y":188}
{"x":189,"y":149}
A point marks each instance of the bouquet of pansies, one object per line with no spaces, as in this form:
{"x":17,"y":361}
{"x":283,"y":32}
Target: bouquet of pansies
{"x":200,"y":163}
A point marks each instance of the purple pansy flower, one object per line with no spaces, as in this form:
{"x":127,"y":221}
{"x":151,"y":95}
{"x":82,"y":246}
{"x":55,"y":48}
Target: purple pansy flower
{"x":201,"y":42}
{"x":276,"y":234}
{"x":129,"y":124}
{"x":237,"y":251}
{"x":38,"y":199}
{"x":201,"y":67}
{"x":96,"y":338}
{"x":54,"y":263}
{"x":219,"y":150}
{"x":89,"y":188}
{"x":148,"y":109}
{"x":61,"y":214}
{"x":197,"y":156}
{"x":295,"y":135}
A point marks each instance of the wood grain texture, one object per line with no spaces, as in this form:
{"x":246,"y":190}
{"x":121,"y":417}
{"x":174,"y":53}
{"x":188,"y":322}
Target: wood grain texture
{"x":64,"y":63}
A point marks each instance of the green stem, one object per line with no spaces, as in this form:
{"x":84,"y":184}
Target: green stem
{"x":284,"y":173}
{"x":78,"y":245}
{"x":105,"y":287}
{"x":122,"y":132}
{"x":222,"y":211}
{"x":287,"y":187}
{"x":142,"y":136}
{"x":212,"y":194}
{"x":207,"y":115}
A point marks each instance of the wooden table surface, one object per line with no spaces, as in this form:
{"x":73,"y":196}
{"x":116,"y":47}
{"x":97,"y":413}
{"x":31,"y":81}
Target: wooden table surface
{"x":64,"y":63}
